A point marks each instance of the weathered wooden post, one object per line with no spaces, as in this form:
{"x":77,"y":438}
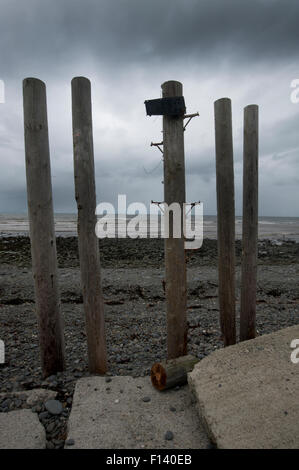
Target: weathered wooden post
{"x":225,"y":218}
{"x":250,"y":224}
{"x":87,"y":240}
{"x":41,"y":221}
{"x":174,"y":191}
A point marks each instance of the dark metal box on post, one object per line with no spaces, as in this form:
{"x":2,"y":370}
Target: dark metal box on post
{"x":171,"y":106}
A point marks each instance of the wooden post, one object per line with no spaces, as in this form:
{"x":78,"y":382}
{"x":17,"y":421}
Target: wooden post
{"x":225,"y":218}
{"x":41,"y":221}
{"x":87,"y":240}
{"x":250,"y":224}
{"x":174,"y":191}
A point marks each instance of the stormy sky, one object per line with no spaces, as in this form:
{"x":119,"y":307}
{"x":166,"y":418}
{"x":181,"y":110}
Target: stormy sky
{"x":247,"y":51}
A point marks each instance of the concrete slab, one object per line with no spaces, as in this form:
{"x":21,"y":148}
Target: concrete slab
{"x":21,"y":429}
{"x":129,"y":413}
{"x":248,"y":393}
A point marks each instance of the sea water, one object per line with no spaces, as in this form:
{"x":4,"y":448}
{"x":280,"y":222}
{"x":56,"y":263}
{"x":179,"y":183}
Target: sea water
{"x":275,"y":228}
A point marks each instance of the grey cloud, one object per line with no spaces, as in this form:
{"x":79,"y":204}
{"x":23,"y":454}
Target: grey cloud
{"x":130,"y":31}
{"x":280,"y":139}
{"x":127,"y":48}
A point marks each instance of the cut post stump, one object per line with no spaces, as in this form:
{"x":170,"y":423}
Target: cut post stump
{"x":173,"y":372}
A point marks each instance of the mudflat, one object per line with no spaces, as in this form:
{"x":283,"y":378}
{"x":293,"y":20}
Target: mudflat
{"x":135,"y":311}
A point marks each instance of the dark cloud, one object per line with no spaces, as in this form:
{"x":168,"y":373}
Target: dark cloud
{"x":281,"y":140}
{"x":245,"y":50}
{"x":130,"y":31}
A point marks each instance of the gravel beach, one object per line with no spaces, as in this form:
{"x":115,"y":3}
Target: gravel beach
{"x":132,"y":278}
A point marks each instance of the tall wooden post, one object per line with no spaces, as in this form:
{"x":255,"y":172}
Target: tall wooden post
{"x":225,"y":218}
{"x":174,"y":191}
{"x":87,"y":240}
{"x":41,"y":221}
{"x":250,"y":224}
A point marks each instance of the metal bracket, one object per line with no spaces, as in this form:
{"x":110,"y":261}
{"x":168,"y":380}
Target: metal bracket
{"x":158,"y":204}
{"x":192,"y":204}
{"x":157,"y":145}
{"x":189,"y":117}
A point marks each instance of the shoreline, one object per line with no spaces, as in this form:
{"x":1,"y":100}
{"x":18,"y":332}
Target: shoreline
{"x":135,"y":312}
{"x":275,"y":228}
{"x":143,"y":252}
{"x":284,"y":237}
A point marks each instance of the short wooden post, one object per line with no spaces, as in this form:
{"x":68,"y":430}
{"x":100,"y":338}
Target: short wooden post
{"x":87,"y":240}
{"x":250,"y":224}
{"x":173,"y":372}
{"x":41,"y":221}
{"x":225,"y":218}
{"x":174,"y":191}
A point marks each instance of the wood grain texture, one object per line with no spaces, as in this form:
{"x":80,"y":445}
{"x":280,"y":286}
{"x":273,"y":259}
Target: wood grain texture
{"x":41,"y":221}
{"x":250,"y":224}
{"x":225,"y":218}
{"x":173,"y":372}
{"x":88,"y":243}
{"x":175,"y":264}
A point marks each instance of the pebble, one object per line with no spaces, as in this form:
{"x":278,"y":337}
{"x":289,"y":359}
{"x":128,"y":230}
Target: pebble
{"x":69,"y":442}
{"x":43,"y":415}
{"x":108,"y":379}
{"x":146,"y":399}
{"x":168,"y":436}
{"x":54,"y":407}
{"x":51,"y":378}
{"x":58,"y":442}
{"x":50,"y":427}
{"x":6,"y":403}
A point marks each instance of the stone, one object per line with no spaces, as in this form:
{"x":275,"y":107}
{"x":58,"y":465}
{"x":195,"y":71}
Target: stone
{"x":168,"y":436}
{"x":146,"y":399}
{"x":54,"y":407}
{"x":40,"y":395}
{"x":70,"y":442}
